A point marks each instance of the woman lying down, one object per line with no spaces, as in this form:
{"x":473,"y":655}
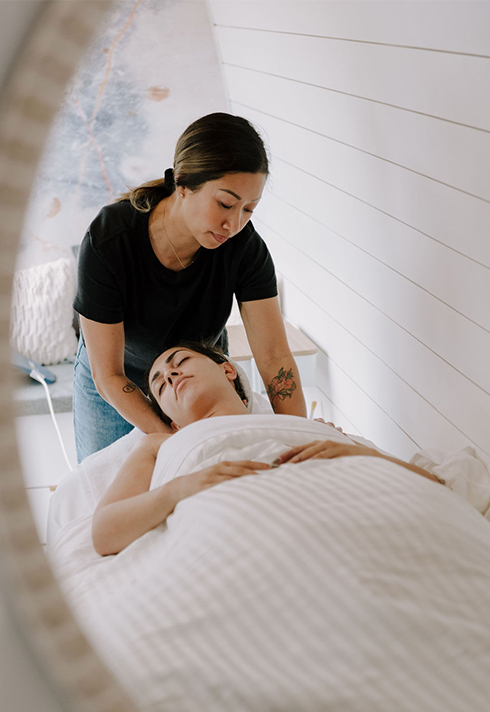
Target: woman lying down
{"x":267,"y":563}
{"x":187,"y":385}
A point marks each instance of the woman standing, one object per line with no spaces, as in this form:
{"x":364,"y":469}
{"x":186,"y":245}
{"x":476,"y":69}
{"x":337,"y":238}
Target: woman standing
{"x":161,"y":266}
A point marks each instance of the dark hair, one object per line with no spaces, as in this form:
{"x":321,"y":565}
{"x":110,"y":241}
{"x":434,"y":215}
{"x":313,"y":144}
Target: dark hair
{"x":209,"y":148}
{"x":200,"y":347}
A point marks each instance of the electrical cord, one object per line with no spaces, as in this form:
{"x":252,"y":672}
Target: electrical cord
{"x":39,"y":377}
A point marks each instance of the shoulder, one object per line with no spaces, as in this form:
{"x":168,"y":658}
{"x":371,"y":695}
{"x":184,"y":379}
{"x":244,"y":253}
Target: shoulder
{"x":247,"y":240}
{"x":249,"y":232}
{"x":113,"y":220}
{"x":150,"y":443}
{"x":253,"y":247}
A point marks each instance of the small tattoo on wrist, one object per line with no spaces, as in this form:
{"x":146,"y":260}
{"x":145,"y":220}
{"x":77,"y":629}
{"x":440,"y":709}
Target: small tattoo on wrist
{"x":129,"y":387}
{"x":281,"y":387}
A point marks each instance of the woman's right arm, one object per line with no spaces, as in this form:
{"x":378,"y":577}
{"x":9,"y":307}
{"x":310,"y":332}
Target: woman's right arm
{"x":130,"y":509}
{"x":105,"y":348}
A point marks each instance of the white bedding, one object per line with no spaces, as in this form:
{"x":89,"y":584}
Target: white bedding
{"x":340,"y":585}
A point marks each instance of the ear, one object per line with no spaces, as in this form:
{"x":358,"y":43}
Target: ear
{"x":229,"y":370}
{"x":180,"y":190}
{"x":174,"y":426}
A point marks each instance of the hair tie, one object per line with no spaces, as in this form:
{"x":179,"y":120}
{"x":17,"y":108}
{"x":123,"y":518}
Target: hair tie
{"x":168,"y":179}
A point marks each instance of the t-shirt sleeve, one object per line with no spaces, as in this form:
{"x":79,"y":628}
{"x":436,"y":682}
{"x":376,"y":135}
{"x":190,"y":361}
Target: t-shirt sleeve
{"x":98,"y":295}
{"x":256,"y":275}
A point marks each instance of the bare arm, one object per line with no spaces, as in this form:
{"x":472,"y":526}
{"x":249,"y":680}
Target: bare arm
{"x":277,"y":367}
{"x":105,"y":348}
{"x":329,"y":449}
{"x":130,"y":509}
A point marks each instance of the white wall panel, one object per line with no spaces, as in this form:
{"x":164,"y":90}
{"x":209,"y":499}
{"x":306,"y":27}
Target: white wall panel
{"x":446,"y":332}
{"x":379,"y":357}
{"x":439,"y":26}
{"x":326,"y":408}
{"x":414,"y":141}
{"x":442,"y":272}
{"x":446,"y":214}
{"x":455,"y":87}
{"x":350,"y":391}
{"x":369,"y":419}
{"x":378,"y":208}
{"x":428,"y":321}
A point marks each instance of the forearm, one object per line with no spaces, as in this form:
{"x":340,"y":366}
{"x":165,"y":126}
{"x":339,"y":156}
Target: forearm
{"x":121,"y":518}
{"x":267,"y":337}
{"x":118,"y":524}
{"x":131,"y":403}
{"x":283,"y":386}
{"x":413,"y":468}
{"x":330,"y":449}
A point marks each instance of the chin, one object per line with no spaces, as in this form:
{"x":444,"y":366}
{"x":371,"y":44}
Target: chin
{"x":219,"y":240}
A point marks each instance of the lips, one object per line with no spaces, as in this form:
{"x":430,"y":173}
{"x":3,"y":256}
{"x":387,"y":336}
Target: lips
{"x":219,"y":238}
{"x":180,"y":382}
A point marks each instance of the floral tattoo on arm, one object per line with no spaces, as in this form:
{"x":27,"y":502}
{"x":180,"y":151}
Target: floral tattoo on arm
{"x":281,"y":387}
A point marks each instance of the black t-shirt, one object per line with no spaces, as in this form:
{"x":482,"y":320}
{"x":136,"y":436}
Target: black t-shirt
{"x":121,"y":279}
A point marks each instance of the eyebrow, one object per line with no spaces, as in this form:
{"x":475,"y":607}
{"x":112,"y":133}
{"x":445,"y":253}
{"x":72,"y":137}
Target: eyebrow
{"x":167,"y":360}
{"x":237,"y":196}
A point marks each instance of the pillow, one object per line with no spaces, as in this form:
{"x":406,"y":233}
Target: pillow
{"x":42,"y":315}
{"x":257,"y":404}
{"x":466,"y":471}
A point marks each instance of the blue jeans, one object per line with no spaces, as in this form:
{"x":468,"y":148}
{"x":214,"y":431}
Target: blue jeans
{"x":97,"y":424}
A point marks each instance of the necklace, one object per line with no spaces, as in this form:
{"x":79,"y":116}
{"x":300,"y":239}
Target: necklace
{"x":170,"y":241}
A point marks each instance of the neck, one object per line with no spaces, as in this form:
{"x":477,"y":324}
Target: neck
{"x":239,"y":409}
{"x":233,"y":406}
{"x":172,"y":230}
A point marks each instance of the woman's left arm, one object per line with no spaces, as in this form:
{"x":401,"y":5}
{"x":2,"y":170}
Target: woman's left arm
{"x":277,"y":367}
{"x":330,"y":449}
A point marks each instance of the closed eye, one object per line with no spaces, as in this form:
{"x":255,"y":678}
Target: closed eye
{"x":229,"y":207}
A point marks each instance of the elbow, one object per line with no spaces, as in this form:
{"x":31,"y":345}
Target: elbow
{"x":102,"y":541}
{"x":100,"y":545}
{"x":100,"y":385}
{"x":104,"y":384}
{"x":104,"y":548}
{"x":108,"y":385}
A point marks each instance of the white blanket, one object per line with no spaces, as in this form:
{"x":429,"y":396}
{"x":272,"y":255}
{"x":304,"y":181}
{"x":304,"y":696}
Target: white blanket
{"x":341,"y":585}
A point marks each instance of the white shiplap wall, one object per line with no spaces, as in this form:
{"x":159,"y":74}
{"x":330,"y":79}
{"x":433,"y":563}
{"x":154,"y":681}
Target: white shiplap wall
{"x":377,"y":115}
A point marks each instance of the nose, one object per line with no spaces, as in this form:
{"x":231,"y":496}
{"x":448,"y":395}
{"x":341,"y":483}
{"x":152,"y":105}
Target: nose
{"x":232,"y":223}
{"x":170,"y":374}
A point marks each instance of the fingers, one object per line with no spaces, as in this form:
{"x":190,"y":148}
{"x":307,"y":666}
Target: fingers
{"x":239,"y":468}
{"x":250,"y":464}
{"x":337,"y":427}
{"x":316,"y":449}
{"x":293,"y":452}
{"x":221,"y":472}
{"x":333,"y":449}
